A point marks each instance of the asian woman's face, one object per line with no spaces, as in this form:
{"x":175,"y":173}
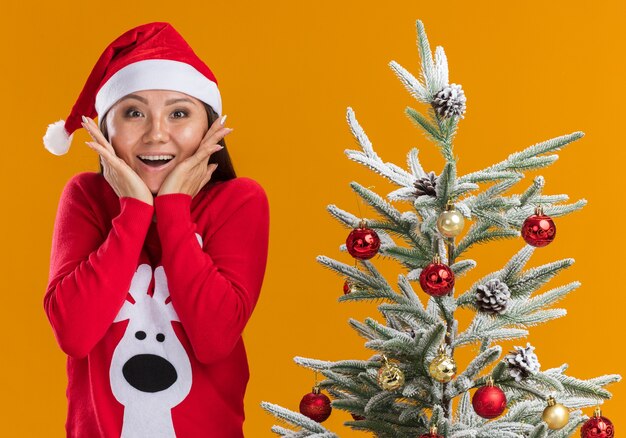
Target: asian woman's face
{"x":154,"y":130}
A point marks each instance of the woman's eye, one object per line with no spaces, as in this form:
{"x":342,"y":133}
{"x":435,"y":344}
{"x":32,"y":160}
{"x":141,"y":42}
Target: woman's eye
{"x":179,"y":114}
{"x":131,"y":112}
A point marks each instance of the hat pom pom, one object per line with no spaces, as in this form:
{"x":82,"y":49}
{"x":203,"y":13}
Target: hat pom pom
{"x":57,"y":139}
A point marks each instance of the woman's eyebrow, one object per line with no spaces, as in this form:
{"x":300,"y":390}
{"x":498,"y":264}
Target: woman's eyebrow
{"x":134,"y":96}
{"x":169,"y":102}
{"x":181,"y":99}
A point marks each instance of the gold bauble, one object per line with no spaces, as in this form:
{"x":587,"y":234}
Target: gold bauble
{"x":450,"y":223}
{"x":555,"y":415}
{"x":390,"y":377}
{"x":443,"y":367}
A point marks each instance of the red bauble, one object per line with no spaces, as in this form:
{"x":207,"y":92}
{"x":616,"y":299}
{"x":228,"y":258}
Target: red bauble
{"x":346,"y":287}
{"x":437,"y":279}
{"x":316,"y":405}
{"x":539,"y":229}
{"x":597,"y":427}
{"x":363,"y":243}
{"x":357,"y":417}
{"x":489,"y":402}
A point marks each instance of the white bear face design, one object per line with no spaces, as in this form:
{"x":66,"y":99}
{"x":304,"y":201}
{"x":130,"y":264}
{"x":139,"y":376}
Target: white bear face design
{"x":150,"y":371}
{"x":149,"y":365}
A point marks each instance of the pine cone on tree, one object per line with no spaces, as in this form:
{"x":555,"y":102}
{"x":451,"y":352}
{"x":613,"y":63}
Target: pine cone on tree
{"x":522,"y":362}
{"x":426,"y":185}
{"x":450,"y":101}
{"x":493,"y":297}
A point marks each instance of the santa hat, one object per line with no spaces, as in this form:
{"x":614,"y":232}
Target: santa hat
{"x":153,"y":56}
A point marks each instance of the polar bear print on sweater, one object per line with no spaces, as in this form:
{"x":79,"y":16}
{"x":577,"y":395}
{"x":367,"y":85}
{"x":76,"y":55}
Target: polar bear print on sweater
{"x":150,"y":371}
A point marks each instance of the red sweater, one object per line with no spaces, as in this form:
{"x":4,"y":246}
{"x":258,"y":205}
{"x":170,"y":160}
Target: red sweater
{"x":151,"y":314}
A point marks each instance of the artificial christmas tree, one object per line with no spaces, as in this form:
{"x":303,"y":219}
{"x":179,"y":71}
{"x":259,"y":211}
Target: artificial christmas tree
{"x":413,"y":387}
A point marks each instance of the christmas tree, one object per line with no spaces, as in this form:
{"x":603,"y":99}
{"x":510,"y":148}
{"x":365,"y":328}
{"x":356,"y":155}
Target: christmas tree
{"x":411,"y":387}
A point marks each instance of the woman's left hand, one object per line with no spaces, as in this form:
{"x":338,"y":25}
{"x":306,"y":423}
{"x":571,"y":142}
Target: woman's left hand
{"x":190,"y":175}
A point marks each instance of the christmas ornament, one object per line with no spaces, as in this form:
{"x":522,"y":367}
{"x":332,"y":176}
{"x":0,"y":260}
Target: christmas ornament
{"x":363,"y":243}
{"x":432,"y":434}
{"x":149,"y":56}
{"x":426,"y":185}
{"x":489,"y":401}
{"x":437,"y":279}
{"x":493,"y":297}
{"x":450,"y":222}
{"x":597,"y":427}
{"x":522,"y":362}
{"x":316,"y":405}
{"x":555,"y":415}
{"x":390,"y":377}
{"x":357,"y":417}
{"x":349,"y":287}
{"x":443,"y":367}
{"x":538,"y":230}
{"x":410,"y":332}
{"x":450,"y":101}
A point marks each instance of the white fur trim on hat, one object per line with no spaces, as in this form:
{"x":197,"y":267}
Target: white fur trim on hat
{"x":56,"y":139}
{"x":158,"y":74}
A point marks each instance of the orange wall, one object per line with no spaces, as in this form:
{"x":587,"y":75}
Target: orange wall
{"x":287,"y":72}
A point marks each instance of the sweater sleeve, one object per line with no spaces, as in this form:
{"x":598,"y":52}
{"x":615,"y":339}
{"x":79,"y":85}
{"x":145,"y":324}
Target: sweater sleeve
{"x":214,"y":290}
{"x":91,"y":272}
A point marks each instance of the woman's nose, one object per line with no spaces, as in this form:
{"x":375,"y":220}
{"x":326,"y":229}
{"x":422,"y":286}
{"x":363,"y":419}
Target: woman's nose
{"x":156,"y":131}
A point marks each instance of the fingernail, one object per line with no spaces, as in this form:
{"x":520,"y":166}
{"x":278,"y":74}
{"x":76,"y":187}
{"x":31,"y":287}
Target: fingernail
{"x":84,"y":119}
{"x":223,"y":120}
{"x":88,"y":143}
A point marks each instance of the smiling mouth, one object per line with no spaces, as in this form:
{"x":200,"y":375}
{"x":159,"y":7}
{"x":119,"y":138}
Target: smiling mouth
{"x":156,"y":161}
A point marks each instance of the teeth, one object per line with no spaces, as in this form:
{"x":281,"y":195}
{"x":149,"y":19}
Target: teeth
{"x":156,"y":157}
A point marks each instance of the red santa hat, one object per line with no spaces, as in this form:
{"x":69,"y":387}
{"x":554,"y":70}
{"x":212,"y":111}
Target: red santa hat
{"x":152,"y":56}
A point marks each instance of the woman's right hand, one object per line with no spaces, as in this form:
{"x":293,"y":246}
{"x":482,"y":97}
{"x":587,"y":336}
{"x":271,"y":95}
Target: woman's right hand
{"x":122,"y":178}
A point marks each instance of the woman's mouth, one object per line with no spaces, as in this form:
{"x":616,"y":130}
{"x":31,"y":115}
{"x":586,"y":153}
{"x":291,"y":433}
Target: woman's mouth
{"x":155,"y":161}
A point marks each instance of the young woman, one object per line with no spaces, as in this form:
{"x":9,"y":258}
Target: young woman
{"x":157,"y":261}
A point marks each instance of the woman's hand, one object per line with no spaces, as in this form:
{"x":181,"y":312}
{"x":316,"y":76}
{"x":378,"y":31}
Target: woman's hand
{"x":191,"y":174}
{"x":124,"y":180}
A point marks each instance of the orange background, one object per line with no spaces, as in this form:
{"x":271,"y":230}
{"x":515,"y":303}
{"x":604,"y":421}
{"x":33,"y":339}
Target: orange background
{"x":287,"y":71}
